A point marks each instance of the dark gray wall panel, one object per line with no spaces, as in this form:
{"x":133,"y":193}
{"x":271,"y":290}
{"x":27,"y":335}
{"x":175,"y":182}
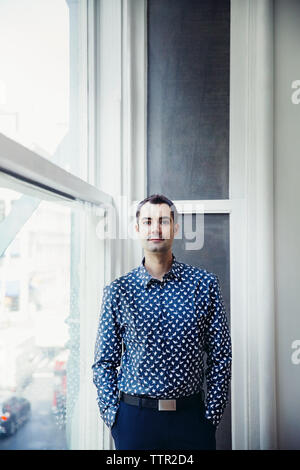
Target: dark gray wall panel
{"x":215,"y":257}
{"x":188,"y":98}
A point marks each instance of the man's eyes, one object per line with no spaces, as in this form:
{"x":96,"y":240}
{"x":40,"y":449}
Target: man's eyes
{"x":164,"y":222}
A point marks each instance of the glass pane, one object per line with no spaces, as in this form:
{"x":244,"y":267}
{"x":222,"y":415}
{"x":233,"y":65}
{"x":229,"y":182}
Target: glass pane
{"x":40,"y":82}
{"x":188,"y":98}
{"x":43,"y":285}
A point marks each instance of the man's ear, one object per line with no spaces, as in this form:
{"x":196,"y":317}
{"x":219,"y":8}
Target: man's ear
{"x":137,"y":227}
{"x":176,"y":228}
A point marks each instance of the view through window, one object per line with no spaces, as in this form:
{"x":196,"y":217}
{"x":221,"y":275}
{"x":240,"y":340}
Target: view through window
{"x":39,"y":322}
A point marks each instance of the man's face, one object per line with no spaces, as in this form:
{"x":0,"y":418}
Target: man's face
{"x":156,"y":228}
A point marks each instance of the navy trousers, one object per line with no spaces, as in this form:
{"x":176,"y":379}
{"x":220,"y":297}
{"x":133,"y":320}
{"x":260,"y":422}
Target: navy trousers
{"x":137,"y":428}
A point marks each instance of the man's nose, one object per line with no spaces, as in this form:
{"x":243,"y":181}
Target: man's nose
{"x":155,"y":227}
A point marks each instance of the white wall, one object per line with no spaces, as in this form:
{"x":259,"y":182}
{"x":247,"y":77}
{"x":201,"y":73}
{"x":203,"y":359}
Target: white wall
{"x":287,"y":219}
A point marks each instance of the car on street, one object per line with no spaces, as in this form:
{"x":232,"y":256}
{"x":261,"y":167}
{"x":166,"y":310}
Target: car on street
{"x":14,"y":411}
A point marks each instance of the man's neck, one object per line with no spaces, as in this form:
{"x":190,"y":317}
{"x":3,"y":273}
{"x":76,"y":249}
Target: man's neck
{"x":158,"y":264}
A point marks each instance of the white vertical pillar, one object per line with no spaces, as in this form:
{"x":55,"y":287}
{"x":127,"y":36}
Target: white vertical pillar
{"x":252,"y":153}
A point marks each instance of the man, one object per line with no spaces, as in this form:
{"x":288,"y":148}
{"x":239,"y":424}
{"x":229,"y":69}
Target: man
{"x":167,"y":314}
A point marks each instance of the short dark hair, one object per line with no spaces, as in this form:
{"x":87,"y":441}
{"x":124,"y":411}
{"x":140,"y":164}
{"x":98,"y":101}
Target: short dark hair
{"x":158,"y":199}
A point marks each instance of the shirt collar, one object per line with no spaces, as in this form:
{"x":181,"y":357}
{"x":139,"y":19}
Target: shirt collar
{"x":145,"y":277}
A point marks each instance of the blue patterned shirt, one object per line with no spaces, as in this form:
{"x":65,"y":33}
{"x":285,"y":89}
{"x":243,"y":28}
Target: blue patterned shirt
{"x":165,"y":327}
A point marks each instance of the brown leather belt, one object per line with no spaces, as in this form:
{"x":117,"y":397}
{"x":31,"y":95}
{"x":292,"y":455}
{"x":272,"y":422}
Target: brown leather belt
{"x":163,"y":404}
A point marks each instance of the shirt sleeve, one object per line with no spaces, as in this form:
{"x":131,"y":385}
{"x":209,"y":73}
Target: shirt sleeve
{"x":107,"y":357}
{"x":219,"y":355}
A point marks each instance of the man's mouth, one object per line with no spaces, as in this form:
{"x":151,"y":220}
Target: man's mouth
{"x":155,"y":239}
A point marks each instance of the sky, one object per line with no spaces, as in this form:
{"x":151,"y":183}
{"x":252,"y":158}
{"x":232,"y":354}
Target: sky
{"x":34,"y":71}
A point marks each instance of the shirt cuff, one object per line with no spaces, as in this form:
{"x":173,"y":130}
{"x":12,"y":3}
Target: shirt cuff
{"x":109,"y":415}
{"x":213,"y":420}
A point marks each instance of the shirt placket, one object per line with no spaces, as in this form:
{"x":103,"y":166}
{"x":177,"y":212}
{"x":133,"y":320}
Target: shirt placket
{"x":164,"y":334}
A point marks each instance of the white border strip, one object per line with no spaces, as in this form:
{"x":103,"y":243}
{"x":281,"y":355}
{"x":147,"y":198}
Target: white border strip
{"x":203,"y":206}
{"x":207,"y":206}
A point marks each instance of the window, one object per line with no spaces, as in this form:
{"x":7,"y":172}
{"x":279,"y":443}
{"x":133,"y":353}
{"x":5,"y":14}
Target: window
{"x":42,"y":315}
{"x":41,"y":78}
{"x":53,"y":263}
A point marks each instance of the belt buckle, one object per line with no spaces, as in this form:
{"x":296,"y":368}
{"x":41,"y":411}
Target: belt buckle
{"x":166,"y":405}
